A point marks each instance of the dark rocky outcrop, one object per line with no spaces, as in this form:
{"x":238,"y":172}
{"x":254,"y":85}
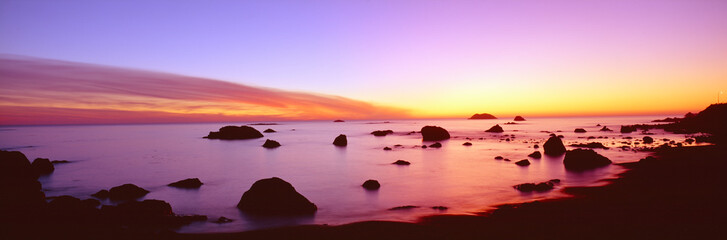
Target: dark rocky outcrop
{"x":223,"y":219}
{"x":187,"y":183}
{"x":144,"y":213}
{"x":101,"y":194}
{"x":499,"y":158}
{"x":590,"y":145}
{"x":495,"y":129}
{"x":271,"y":144}
{"x":434,"y":133}
{"x":441,"y":208}
{"x":523,"y":162}
{"x":235,"y":132}
{"x":401,"y":162}
{"x":274,"y":196}
{"x":387,"y":149}
{"x":381,"y":133}
{"x":42,"y":166}
{"x":628,"y":129}
{"x":126,"y":192}
{"x":20,"y":191}
{"x":535,"y":155}
{"x":435,"y":145}
{"x":338,"y":120}
{"x":649,"y":140}
{"x":483,"y":116}
{"x":467,"y":144}
{"x":539,"y":187}
{"x":269,"y":130}
{"x":554,"y":146}
{"x":403,"y":207}
{"x":371,"y":184}
{"x":584,"y":159}
{"x":340,"y":141}
{"x":605,"y":129}
{"x":579,"y":130}
{"x":519,"y":118}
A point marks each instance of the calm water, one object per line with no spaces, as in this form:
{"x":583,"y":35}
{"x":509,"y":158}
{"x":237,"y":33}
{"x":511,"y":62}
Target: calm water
{"x":466,"y":179}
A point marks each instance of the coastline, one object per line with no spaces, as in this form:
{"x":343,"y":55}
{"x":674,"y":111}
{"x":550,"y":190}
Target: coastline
{"x":673,"y":196}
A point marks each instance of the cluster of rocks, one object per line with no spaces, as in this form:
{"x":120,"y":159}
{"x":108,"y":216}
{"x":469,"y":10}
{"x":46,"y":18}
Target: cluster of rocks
{"x":537,"y":187}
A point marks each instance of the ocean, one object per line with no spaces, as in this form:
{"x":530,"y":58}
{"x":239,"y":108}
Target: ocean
{"x":465,"y":179}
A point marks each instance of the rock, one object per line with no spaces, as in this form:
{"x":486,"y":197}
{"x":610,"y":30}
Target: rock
{"x":495,"y":129}
{"x":70,"y":209}
{"x":126,"y":192}
{"x":338,"y":120}
{"x":274,"y":196}
{"x":482,"y":116}
{"x":525,"y":187}
{"x":235,"y":132}
{"x":187,"y":183}
{"x":271,"y":144}
{"x":59,"y":161}
{"x":467,"y":144}
{"x":371,"y":184}
{"x":499,"y":158}
{"x":387,"y":149}
{"x":536,"y":146}
{"x":401,"y":162}
{"x":101,"y":194}
{"x":605,"y":129}
{"x":554,"y":146}
{"x":584,"y":159}
{"x":340,"y":141}
{"x":523,"y":162}
{"x":269,"y":130}
{"x":403,"y":207}
{"x":223,"y":220}
{"x":590,"y":145}
{"x":435,"y":145}
{"x":540,"y":187}
{"x":381,"y":133}
{"x":441,"y":208}
{"x":535,"y":155}
{"x":147,"y":213}
{"x":42,"y":166}
{"x":20,"y":191}
{"x":648,"y":140}
{"x":519,"y":118}
{"x":579,"y":130}
{"x":91,"y":202}
{"x":689,"y":140}
{"x":434,"y":133}
{"x":628,"y":129}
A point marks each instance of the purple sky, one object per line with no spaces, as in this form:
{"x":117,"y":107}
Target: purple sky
{"x":456,"y":57}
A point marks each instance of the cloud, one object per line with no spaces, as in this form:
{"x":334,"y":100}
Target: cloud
{"x":42,"y":91}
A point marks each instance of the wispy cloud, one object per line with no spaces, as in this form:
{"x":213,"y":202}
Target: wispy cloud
{"x":41,"y":91}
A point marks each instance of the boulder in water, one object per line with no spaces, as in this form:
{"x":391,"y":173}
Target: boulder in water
{"x":274,"y":196}
{"x":371,"y":184}
{"x":271,"y":144}
{"x":235,"y":132}
{"x":519,"y":118}
{"x":483,"y":116}
{"x":535,"y":155}
{"x":495,"y":129}
{"x":584,"y":159}
{"x":554,"y":146}
{"x":434,"y":133}
{"x":126,"y":192}
{"x":340,"y":141}
{"x":187,"y":183}
{"x":42,"y":166}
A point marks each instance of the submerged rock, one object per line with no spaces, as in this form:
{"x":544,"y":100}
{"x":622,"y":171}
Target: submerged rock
{"x":519,"y":118}
{"x":605,"y":129}
{"x":535,"y":155}
{"x":126,"y":192}
{"x":340,"y":141}
{"x":269,"y":130}
{"x":435,"y":145}
{"x":271,"y":144}
{"x":495,"y":129}
{"x":223,"y":219}
{"x":187,"y":183}
{"x":381,"y":133}
{"x":554,"y":146}
{"x":539,"y":187}
{"x":579,"y":130}
{"x":434,"y":133}
{"x":483,"y":116}
{"x":338,"y":120}
{"x":401,"y":162}
{"x":403,"y":207}
{"x":235,"y":132}
{"x":42,"y":166}
{"x":523,"y":162}
{"x":467,"y":144}
{"x":499,"y":158}
{"x":628,"y":129}
{"x":584,"y":159}
{"x":371,"y":184}
{"x":274,"y":196}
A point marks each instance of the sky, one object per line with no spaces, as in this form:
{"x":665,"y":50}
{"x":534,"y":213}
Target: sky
{"x":427,"y":58}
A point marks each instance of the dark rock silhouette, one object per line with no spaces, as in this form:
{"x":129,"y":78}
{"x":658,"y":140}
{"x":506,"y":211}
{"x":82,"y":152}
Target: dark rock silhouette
{"x":483,"y":116}
{"x":20,"y":191}
{"x":269,"y":130}
{"x":126,"y":192}
{"x":434,"y":133}
{"x":539,"y":187}
{"x":628,"y":129}
{"x":495,"y":129}
{"x":649,"y":140}
{"x":519,"y":118}
{"x":381,"y":133}
{"x":554,"y":146}
{"x":387,"y":149}
{"x":584,"y":159}
{"x":435,"y":145}
{"x":274,"y":196}
{"x":223,"y":219}
{"x":42,"y":166}
{"x":148,"y":212}
{"x":271,"y":144}
{"x":523,"y":162}
{"x":338,"y":120}
{"x":535,"y":155}
{"x":101,"y":194}
{"x":401,"y":162}
{"x":371,"y":184}
{"x":403,"y":207}
{"x":499,"y":158}
{"x":579,"y":130}
{"x":59,"y":161}
{"x":187,"y":183}
{"x":605,"y":129}
{"x":340,"y":141}
{"x":590,"y":145}
{"x":235,"y":132}
{"x":467,"y":144}
{"x":536,"y":146}
{"x":441,"y":208}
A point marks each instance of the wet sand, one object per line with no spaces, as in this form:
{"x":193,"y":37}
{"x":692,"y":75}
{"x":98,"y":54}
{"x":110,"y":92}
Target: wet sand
{"x":678,"y":195}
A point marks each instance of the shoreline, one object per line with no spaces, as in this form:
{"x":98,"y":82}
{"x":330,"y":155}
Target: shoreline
{"x":673,"y":196}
